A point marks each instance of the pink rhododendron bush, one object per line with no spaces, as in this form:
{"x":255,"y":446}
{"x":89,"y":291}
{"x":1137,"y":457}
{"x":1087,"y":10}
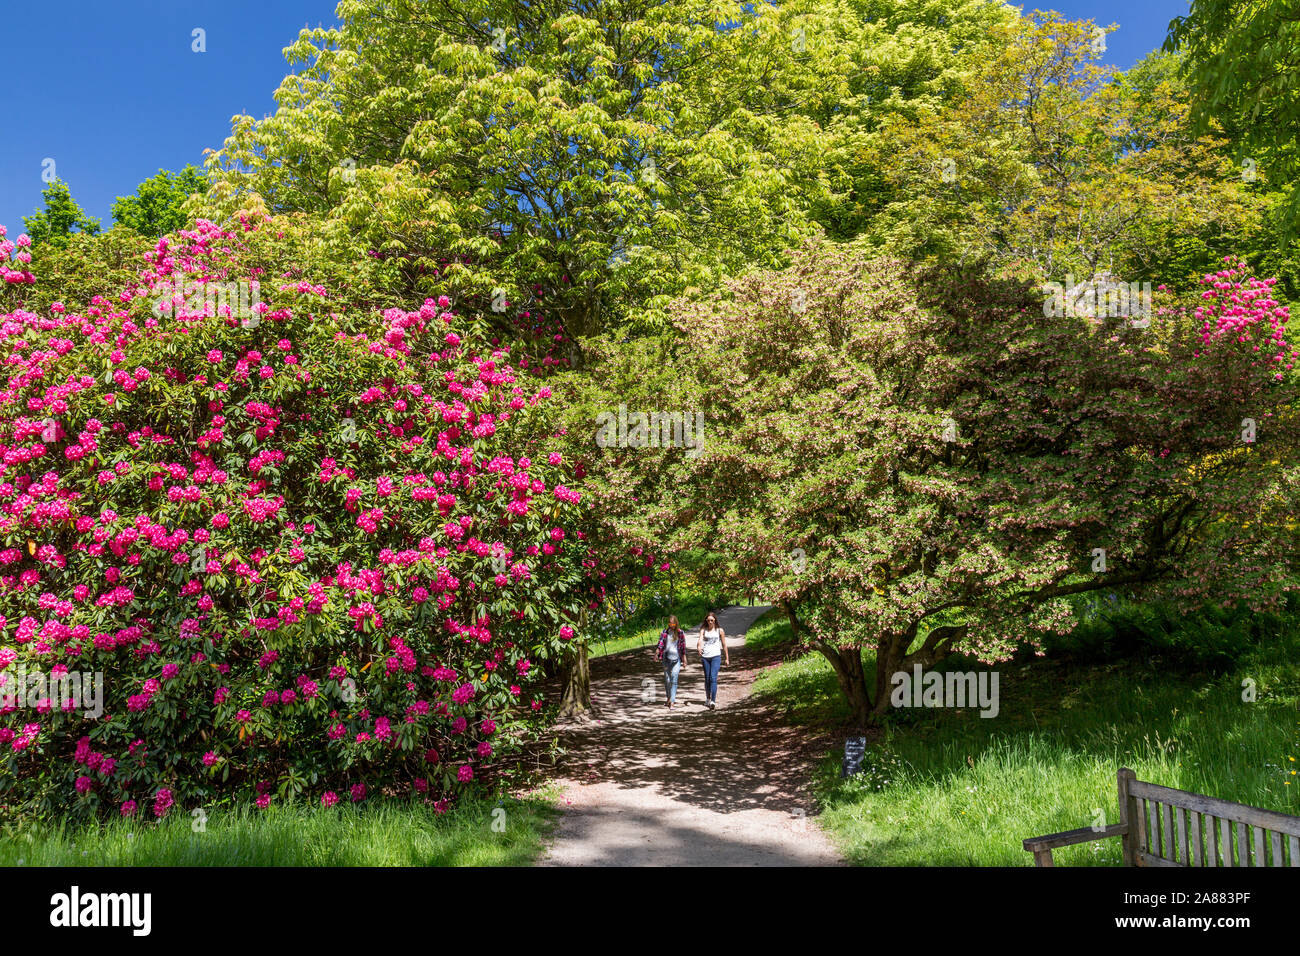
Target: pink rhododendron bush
{"x":256,"y":546}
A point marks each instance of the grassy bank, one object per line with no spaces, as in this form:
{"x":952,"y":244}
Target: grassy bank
{"x":947,"y":787}
{"x":483,"y":833}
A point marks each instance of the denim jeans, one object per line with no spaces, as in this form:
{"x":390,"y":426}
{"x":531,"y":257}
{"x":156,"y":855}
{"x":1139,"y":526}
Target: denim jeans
{"x":671,"y":670}
{"x":711,"y":667}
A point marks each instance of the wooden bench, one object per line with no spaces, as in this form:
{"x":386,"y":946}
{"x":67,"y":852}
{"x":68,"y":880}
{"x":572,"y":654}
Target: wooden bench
{"x":1161,"y":826}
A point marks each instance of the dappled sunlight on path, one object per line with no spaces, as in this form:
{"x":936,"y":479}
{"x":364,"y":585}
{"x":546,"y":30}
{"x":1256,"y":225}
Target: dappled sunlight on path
{"x":647,"y":786}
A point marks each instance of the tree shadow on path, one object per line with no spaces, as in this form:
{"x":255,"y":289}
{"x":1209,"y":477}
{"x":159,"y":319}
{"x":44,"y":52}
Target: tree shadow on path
{"x":735,"y":758}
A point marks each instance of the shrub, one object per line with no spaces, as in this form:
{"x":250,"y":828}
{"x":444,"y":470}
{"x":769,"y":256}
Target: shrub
{"x":311,"y":551}
{"x":1112,"y":627}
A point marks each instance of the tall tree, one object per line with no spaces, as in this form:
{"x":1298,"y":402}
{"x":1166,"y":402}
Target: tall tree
{"x":157,"y":207}
{"x":615,"y":153}
{"x":60,"y":219}
{"x":910,"y":59}
{"x":1052,"y":161}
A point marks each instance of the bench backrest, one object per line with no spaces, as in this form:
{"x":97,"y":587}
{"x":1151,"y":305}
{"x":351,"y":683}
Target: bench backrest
{"x":1168,"y":827}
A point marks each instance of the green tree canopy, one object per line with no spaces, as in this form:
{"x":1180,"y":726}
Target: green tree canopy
{"x":1052,"y":161}
{"x":1243,"y":63}
{"x":617,"y":153}
{"x":60,"y":219}
{"x":157,"y":207}
{"x":910,"y":59}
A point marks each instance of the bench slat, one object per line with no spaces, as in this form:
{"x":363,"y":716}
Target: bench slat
{"x":1258,"y":858}
{"x":1225,"y":847}
{"x":1153,"y":834}
{"x":1136,"y":840}
{"x":1169,"y":849}
{"x":1243,"y":845}
{"x":1269,"y":819}
{"x":1276,"y":839}
{"x":1180,"y":818}
{"x":1150,"y":860}
{"x":1198,"y":842}
{"x":1295,"y":851}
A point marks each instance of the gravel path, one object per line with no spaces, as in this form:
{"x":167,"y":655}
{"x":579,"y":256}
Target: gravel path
{"x":647,"y":787}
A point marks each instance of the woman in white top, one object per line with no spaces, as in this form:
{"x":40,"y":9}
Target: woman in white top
{"x":712,"y":648}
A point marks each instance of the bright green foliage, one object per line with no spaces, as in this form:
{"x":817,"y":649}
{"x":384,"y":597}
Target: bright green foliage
{"x":60,"y":219}
{"x":617,"y":152}
{"x":911,"y":59}
{"x":1053,"y":162}
{"x":1243,"y":61}
{"x":157,"y":207}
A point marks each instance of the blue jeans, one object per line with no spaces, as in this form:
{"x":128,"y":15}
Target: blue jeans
{"x":711,"y":668}
{"x":671,"y":670}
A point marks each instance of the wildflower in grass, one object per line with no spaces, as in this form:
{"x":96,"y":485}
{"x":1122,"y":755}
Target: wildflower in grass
{"x":329,"y":798}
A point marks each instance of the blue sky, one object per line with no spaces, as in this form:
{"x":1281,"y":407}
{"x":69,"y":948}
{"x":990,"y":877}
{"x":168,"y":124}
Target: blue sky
{"x":112,"y":92}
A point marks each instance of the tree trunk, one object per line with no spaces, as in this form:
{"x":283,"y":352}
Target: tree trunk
{"x":575,"y":701}
{"x":847,"y":662}
{"x":849,"y":673}
{"x":889,"y":661}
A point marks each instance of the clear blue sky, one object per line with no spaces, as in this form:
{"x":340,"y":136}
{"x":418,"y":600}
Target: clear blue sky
{"x":112,"y":92}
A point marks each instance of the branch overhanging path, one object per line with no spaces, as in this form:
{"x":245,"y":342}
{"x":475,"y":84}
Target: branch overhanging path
{"x":645,"y":786}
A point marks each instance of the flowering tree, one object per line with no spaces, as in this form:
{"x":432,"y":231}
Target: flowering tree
{"x":307,"y":548}
{"x":930,"y":465}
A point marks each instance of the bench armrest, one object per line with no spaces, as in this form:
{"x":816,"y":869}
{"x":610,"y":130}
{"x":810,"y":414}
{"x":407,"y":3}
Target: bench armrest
{"x":1071,"y":837}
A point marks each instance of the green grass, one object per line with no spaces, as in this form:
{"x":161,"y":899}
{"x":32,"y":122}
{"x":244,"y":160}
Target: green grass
{"x":947,"y":787}
{"x":382,"y":834}
{"x":644,"y":627}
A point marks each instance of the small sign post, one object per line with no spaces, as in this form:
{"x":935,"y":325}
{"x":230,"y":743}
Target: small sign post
{"x":855,"y":748}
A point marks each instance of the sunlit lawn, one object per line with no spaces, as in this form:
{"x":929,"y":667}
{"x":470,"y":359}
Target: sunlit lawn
{"x":947,"y":787}
{"x":507,"y":832}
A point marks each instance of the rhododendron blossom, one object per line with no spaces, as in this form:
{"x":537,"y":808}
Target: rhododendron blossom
{"x":276,"y":539}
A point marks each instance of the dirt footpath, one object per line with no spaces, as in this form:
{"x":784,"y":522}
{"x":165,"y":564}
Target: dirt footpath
{"x":644,"y":786}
